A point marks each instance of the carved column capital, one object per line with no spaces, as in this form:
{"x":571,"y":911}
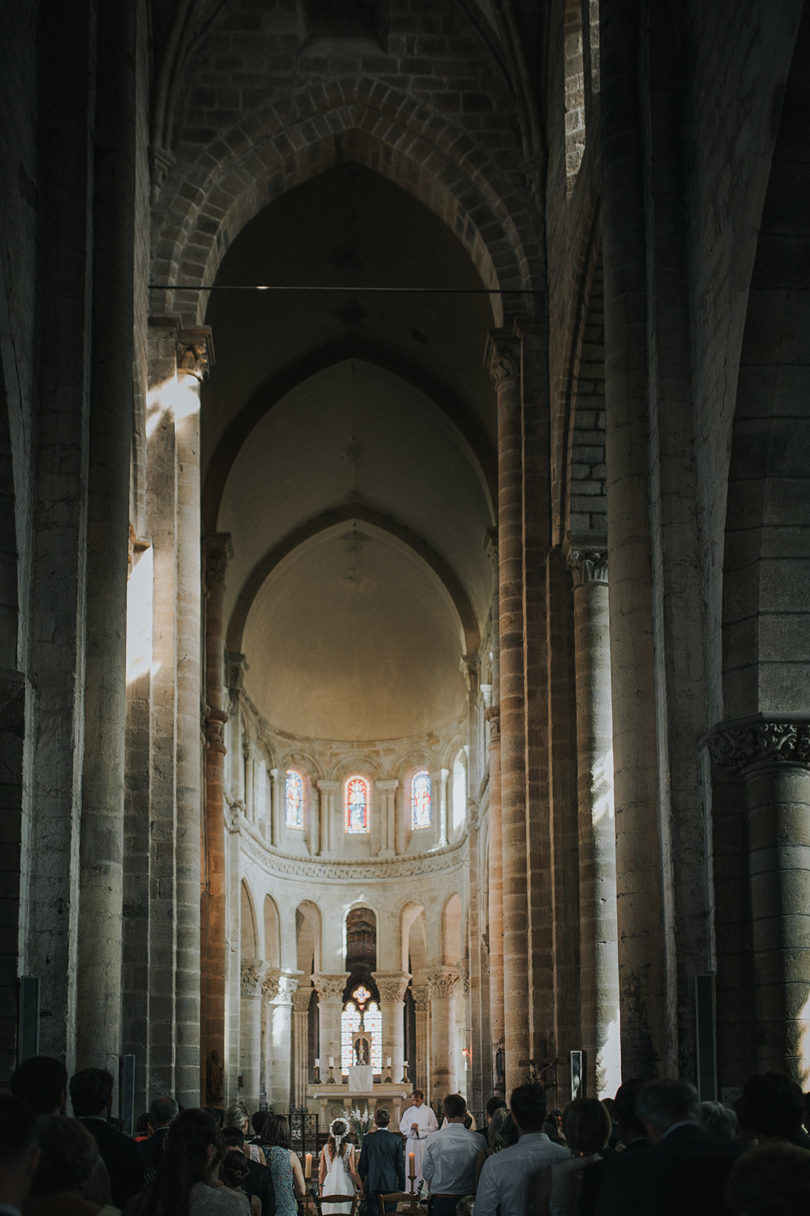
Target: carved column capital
{"x":301,"y":998}
{"x":587,"y":564}
{"x":215,"y":721}
{"x":236,"y":665}
{"x":491,"y":546}
{"x":251,"y":977}
{"x":392,"y":985}
{"x":217,"y":548}
{"x":234,"y":809}
{"x":330,"y":987}
{"x":502,"y":357}
{"x":470,"y":666}
{"x":493,"y":716}
{"x":270,"y":983}
{"x":443,"y":983}
{"x":746,"y":744}
{"x":421,"y":997}
{"x":386,"y":785}
{"x":195,"y":351}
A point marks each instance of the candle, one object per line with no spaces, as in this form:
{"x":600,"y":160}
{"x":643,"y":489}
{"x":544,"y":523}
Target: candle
{"x":331,"y":1061}
{"x":317,"y":1061}
{"x":308,"y":1165}
{"x":388,"y":1061}
{"x":411,"y":1165}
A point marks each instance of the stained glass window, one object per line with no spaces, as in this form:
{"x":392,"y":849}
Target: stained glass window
{"x":355,"y":795}
{"x":350,"y":1021}
{"x":420,"y":800}
{"x":372,"y":1024}
{"x":365,"y":1021}
{"x":294,"y":800}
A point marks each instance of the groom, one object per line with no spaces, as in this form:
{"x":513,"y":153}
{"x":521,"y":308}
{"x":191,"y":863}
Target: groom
{"x":382,"y":1163}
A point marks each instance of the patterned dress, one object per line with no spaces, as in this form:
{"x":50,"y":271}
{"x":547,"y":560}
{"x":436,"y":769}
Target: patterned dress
{"x":278,"y":1160}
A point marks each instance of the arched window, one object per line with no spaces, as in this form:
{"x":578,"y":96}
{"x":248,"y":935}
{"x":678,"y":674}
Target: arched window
{"x":294,"y":800}
{"x":420,"y":800}
{"x":361,"y":1031}
{"x":355,"y":801}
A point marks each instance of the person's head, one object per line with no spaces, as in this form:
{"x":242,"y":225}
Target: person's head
{"x":234,"y":1137}
{"x":586,"y":1125}
{"x":258,"y":1120}
{"x":19,"y":1149}
{"x":528,"y":1106}
{"x":624,"y":1104}
{"x":718,"y":1120}
{"x":69,"y":1155}
{"x":382,"y":1117}
{"x":277,"y":1131}
{"x":234,"y":1169}
{"x":41,"y":1081}
{"x":501,"y":1131}
{"x":237,"y":1116}
{"x":455,"y":1108}
{"x":665,"y":1101}
{"x":162,"y":1111}
{"x":772,"y":1106}
{"x":494,"y":1103}
{"x":143,"y":1124}
{"x":418,"y":1097}
{"x":91,"y":1092}
{"x":771,"y":1179}
{"x":338,"y":1133}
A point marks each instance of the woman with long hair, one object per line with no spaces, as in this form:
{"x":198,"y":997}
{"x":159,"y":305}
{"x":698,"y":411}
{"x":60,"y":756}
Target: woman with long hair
{"x":283,"y":1163}
{"x":337,"y":1174}
{"x":187,"y":1182}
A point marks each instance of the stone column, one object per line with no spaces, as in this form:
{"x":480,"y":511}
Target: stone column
{"x":646,"y":984}
{"x":420,"y":1066}
{"x":214,"y":884}
{"x":250,"y":1036}
{"x":503,"y":362}
{"x":330,"y":792}
{"x":277,"y":790}
{"x":442,"y":985}
{"x":313,"y":828}
{"x":194,"y":357}
{"x":599,"y":950}
{"x":772,"y":754}
{"x":386,"y":791}
{"x":279,"y":992}
{"x":392,"y":986}
{"x":399,"y":821}
{"x":112,"y":345}
{"x":495,"y":926}
{"x":330,"y":1006}
{"x":301,"y":998}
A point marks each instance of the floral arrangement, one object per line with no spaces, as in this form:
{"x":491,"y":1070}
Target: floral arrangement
{"x":360,"y":1120}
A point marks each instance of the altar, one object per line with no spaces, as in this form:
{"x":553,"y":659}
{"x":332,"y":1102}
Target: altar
{"x":358,"y":1088}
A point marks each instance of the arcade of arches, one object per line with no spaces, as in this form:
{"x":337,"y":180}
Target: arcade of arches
{"x":405,"y":558}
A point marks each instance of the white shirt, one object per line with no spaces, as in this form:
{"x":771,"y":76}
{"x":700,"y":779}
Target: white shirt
{"x":423,"y":1116}
{"x":448,"y":1163}
{"x":504,"y":1182}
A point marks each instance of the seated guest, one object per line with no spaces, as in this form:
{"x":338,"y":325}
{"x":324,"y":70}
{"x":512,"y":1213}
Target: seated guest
{"x":91,"y":1096}
{"x":19,"y":1153}
{"x":258,"y":1181}
{"x":448,"y":1162}
{"x":501,"y":1132}
{"x":632,"y":1136}
{"x":503,"y":1187}
{"x":685,"y":1170}
{"x":69,"y":1158}
{"x":587,"y":1127}
{"x":771,"y":1179}
{"x":234,"y":1173}
{"x":187,"y":1182}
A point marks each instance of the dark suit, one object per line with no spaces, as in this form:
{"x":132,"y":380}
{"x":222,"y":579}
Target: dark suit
{"x":121,"y":1157}
{"x":382,"y":1166}
{"x":685,"y":1172}
{"x":260,"y":1182}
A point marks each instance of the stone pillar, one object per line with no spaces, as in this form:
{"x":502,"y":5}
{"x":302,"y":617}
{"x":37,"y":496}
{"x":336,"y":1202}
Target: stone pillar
{"x":313,"y":828}
{"x":495,"y":926}
{"x":420,"y":1067}
{"x":112,"y":344}
{"x":503,"y":362}
{"x":250,"y":1036}
{"x":330,"y":792}
{"x":330,"y":1007}
{"x":214,"y":884}
{"x":301,"y":998}
{"x":392,"y":986}
{"x":442,"y":985}
{"x":599,"y":951}
{"x":279,"y":992}
{"x":772,"y":754}
{"x":194,"y":357}
{"x":399,"y":821}
{"x":277,"y":788}
{"x":386,"y":803}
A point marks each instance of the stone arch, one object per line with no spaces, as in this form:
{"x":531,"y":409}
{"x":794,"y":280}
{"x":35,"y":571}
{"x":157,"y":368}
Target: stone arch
{"x":359,"y":922}
{"x":452,"y":931}
{"x":248,"y":927}
{"x":308,"y":937}
{"x":414,"y":938}
{"x":388,"y":131}
{"x":272,"y":933}
{"x":767,"y":540}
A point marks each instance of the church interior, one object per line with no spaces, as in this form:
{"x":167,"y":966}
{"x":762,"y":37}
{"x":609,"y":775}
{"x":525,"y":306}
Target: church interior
{"x":405,"y":554}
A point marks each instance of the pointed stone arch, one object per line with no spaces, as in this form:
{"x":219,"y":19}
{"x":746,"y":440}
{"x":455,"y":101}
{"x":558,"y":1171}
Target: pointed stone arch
{"x":248,"y":925}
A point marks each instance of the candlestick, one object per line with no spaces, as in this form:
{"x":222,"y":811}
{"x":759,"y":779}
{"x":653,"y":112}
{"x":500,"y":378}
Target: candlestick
{"x":308,"y":1165}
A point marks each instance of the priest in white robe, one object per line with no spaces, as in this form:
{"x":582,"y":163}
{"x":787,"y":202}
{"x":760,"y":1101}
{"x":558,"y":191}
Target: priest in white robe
{"x":417,"y":1122}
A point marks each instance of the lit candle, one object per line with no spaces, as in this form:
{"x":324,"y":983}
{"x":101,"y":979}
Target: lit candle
{"x":411,"y":1165}
{"x":308,"y":1165}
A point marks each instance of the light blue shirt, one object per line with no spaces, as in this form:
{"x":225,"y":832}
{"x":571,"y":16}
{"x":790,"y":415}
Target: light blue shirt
{"x":504,"y":1183}
{"x":448,"y":1164}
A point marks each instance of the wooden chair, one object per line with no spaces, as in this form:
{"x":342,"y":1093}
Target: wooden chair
{"x":405,"y":1203}
{"x":322,"y":1199}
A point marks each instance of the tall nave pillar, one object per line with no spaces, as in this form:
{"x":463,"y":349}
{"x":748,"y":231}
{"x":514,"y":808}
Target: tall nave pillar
{"x":503,"y":363}
{"x":330,"y":1007}
{"x":392,"y":987}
